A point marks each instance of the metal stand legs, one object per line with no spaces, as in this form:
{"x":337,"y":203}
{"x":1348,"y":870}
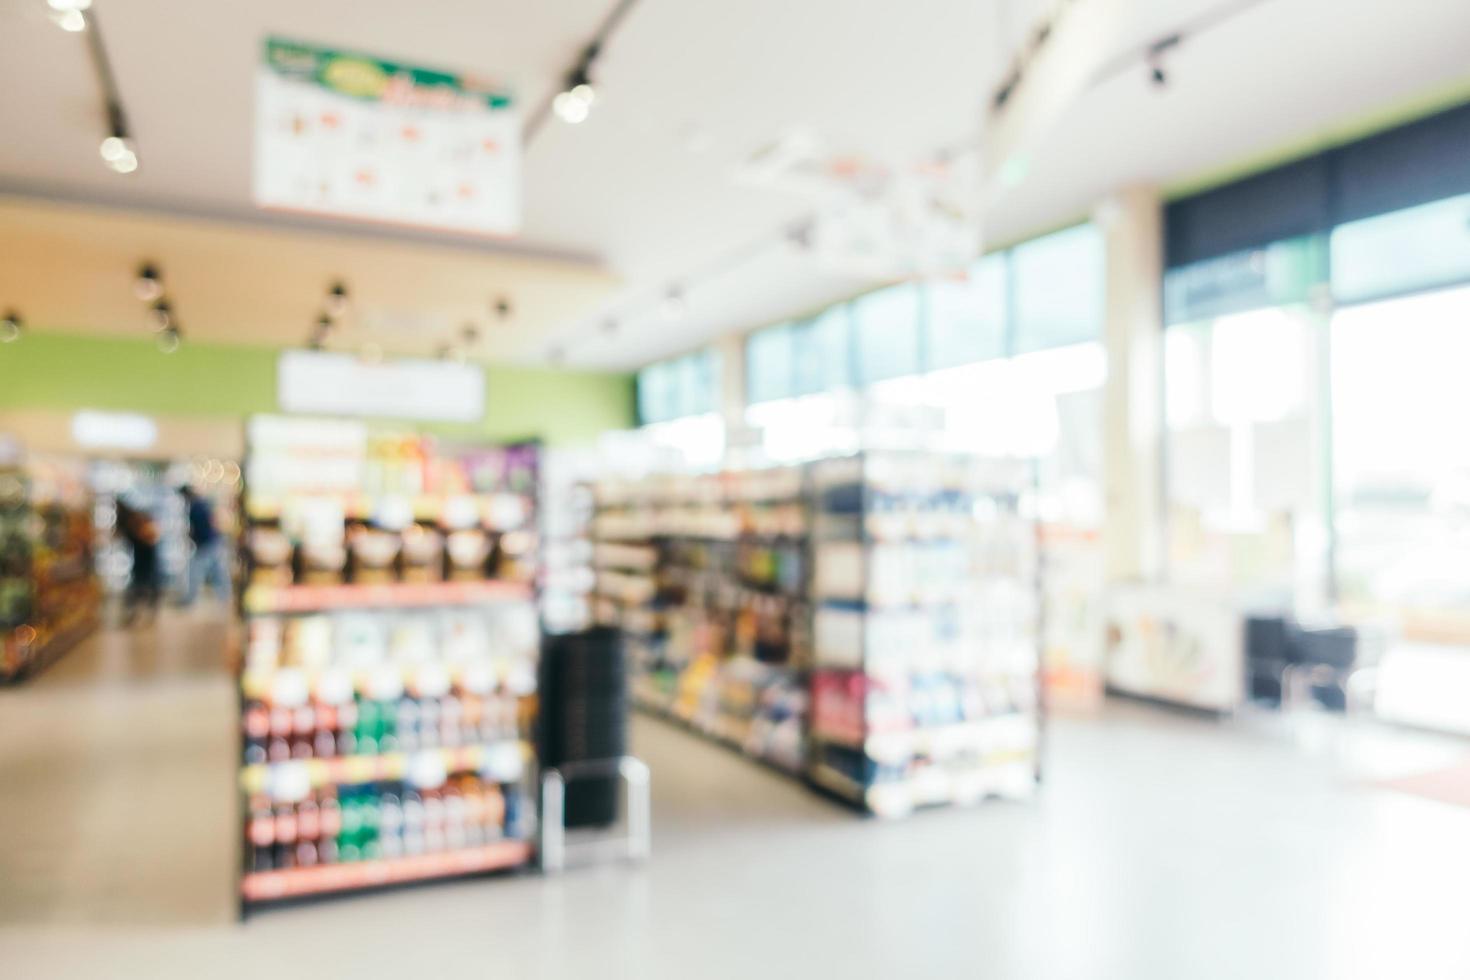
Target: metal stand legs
{"x":634,"y":846}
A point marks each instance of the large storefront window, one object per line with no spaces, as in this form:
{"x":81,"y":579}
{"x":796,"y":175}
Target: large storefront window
{"x":1242,"y":455}
{"x":1402,"y":457}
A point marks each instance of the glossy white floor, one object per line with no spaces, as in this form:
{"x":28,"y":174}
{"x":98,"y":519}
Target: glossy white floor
{"x":1160,"y":846}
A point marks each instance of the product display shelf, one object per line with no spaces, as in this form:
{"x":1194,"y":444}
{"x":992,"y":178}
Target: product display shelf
{"x":925,"y":688}
{"x":50,"y":598}
{"x":268,"y":886}
{"x":388,"y":668}
{"x":267,"y":598}
{"x":718,"y":629}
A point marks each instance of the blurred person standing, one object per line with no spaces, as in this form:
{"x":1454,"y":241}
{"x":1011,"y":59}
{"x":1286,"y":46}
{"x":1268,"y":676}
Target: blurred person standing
{"x":137,"y":527}
{"x":208,"y":560}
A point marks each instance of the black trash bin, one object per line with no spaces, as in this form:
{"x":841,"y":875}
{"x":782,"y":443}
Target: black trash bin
{"x":584,"y":717}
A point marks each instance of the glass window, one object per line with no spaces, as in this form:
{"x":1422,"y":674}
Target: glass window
{"x":1058,"y":284}
{"x":821,"y":352}
{"x":655,"y":393}
{"x":886,"y":327}
{"x":768,"y":364}
{"x":698,"y":375}
{"x":1401,"y":461}
{"x":1411,"y":250}
{"x":966,"y":319}
{"x":684,"y":386}
{"x":1243,"y":466}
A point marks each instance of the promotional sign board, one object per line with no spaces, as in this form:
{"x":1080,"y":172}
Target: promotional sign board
{"x":355,"y":136}
{"x":315,"y":383}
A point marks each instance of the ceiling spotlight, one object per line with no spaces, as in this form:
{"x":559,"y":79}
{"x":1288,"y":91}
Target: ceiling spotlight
{"x":574,"y":102}
{"x":470,"y":333}
{"x":149,"y":284}
{"x":674,"y":305}
{"x":71,"y":21}
{"x":169,"y":339}
{"x":162,"y":314}
{"x":320,"y":332}
{"x":502,"y":307}
{"x":119,"y":153}
{"x":1155,"y":56}
{"x":11,"y":326}
{"x":337,"y":299}
{"x":69,"y":14}
{"x":570,"y":109}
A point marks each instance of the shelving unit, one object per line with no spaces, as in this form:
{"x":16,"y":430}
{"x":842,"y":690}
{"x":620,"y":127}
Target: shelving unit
{"x":869,"y":623}
{"x":926,"y":635}
{"x":50,"y":598}
{"x":707,"y":576}
{"x":388,"y":674}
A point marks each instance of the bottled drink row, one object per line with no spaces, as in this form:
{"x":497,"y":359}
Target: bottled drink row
{"x":368,"y":726}
{"x":376,"y":821}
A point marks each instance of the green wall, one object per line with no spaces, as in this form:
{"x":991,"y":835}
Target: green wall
{"x":67,"y":372}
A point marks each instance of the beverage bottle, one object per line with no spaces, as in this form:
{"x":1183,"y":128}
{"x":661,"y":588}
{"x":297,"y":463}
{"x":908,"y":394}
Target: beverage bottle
{"x":285,"y":835}
{"x":278,"y":749}
{"x":303,"y":726}
{"x":429,"y":722}
{"x":413,"y":822}
{"x":260,"y":834}
{"x":308,"y":833}
{"x":472,"y":712}
{"x":257,"y":732}
{"x":433,"y":821}
{"x":407,"y":725}
{"x":368,"y":727}
{"x":371,"y":847}
{"x":390,"y":824}
{"x":473,"y":792}
{"x":388,"y":726}
{"x":329,"y":816}
{"x":348,"y":838}
{"x":494,"y":812}
{"x":324,"y":740}
{"x":451,"y":721}
{"x":347,"y":717}
{"x":456,"y":835}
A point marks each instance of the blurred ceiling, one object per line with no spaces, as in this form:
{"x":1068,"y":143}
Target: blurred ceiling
{"x":689,"y":89}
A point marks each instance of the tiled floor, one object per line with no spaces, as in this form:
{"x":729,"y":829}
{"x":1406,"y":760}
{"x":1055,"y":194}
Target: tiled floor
{"x":1160,"y":846}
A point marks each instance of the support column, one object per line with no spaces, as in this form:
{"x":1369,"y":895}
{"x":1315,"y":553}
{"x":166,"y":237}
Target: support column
{"x":1133,"y":412}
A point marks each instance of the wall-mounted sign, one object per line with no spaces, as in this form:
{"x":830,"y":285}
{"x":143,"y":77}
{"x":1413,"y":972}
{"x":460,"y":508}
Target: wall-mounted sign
{"x":353,"y":135}
{"x":319,"y":383}
{"x":113,"y":430}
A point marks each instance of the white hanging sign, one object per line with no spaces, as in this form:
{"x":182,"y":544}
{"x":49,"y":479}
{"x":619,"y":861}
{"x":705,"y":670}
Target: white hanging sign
{"x":320,"y":383}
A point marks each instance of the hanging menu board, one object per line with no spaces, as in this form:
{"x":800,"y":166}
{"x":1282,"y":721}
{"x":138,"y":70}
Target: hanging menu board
{"x":356,"y":136}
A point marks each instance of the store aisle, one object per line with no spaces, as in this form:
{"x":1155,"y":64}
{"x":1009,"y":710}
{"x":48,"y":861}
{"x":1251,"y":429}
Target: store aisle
{"x":116,"y":766}
{"x":1161,"y":847}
